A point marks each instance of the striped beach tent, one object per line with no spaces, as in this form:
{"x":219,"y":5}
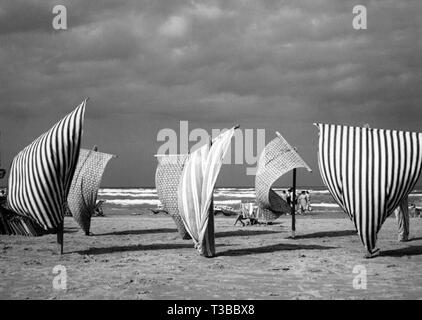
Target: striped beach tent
{"x":41,"y":174}
{"x":82,"y":198}
{"x":196,"y":191}
{"x":369,"y":172}
{"x":167,"y":180}
{"x":277,"y":158}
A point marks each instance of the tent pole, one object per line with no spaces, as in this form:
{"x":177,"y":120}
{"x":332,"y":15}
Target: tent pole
{"x":211,"y":235}
{"x":210,"y":226}
{"x":293,"y":208}
{"x":60,"y":237}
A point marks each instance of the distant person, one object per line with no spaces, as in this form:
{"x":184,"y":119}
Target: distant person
{"x":308,"y":197}
{"x":243,"y":215}
{"x":414,"y":211}
{"x":98,"y":210}
{"x":289,"y":197}
{"x":302,"y":200}
{"x":284,"y":195}
{"x":3,"y":197}
{"x":402,"y":216}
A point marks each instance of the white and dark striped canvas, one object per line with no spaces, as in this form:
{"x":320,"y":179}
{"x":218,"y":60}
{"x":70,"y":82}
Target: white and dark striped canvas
{"x":41,"y":174}
{"x":197,"y":185}
{"x":368,"y":172}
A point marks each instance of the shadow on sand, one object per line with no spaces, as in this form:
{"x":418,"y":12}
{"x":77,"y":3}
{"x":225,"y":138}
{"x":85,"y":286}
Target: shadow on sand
{"x":138,"y":247}
{"x":273,"y":248}
{"x":243,"y":233}
{"x":328,"y":234}
{"x":71,"y":230}
{"x":408,"y":251}
{"x":137,"y":232}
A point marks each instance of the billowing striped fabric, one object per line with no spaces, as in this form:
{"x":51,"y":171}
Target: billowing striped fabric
{"x":277,"y":158}
{"x":41,"y":174}
{"x":368,"y":172}
{"x":197,"y":185}
{"x":82,"y":198}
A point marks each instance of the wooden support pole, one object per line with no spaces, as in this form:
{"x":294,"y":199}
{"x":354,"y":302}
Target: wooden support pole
{"x":211,"y":229}
{"x":60,"y":237}
{"x":208,"y":249}
{"x":293,"y":207}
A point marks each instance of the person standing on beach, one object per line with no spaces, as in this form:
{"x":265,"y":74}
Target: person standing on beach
{"x":302,"y":200}
{"x":402,"y":216}
{"x":308,"y":199}
{"x":289,"y":197}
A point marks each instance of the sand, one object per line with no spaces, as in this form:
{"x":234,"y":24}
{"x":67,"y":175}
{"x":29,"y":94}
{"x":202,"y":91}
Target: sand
{"x":142,"y":257}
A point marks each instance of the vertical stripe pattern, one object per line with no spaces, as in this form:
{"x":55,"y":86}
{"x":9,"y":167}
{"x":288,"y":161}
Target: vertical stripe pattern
{"x":41,"y":174}
{"x":197,"y":185}
{"x":368,"y":172}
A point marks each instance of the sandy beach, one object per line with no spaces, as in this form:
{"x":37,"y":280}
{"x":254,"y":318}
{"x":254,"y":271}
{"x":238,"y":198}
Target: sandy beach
{"x":142,"y":257}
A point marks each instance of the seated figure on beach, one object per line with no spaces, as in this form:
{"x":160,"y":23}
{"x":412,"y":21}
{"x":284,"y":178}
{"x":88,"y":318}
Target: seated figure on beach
{"x":414,"y":211}
{"x":247,"y":211}
{"x":98,"y":210}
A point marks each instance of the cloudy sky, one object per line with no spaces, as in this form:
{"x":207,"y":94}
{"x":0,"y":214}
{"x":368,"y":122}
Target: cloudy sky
{"x":146,"y":65}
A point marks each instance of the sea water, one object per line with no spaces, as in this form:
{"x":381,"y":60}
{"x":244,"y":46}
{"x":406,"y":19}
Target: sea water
{"x":141,"y":198}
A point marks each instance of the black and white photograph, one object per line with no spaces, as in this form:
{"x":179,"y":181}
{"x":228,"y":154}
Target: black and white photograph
{"x":222,"y":150}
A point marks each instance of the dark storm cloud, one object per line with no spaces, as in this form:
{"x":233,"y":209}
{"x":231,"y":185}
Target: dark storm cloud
{"x":278,"y":65}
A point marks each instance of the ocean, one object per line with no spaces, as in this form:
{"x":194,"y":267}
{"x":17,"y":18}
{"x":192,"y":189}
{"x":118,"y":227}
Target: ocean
{"x":132,"y":199}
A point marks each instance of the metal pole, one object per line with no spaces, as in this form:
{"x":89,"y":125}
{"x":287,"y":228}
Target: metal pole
{"x":293,"y":207}
{"x":60,"y":237}
{"x":210,"y":236}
